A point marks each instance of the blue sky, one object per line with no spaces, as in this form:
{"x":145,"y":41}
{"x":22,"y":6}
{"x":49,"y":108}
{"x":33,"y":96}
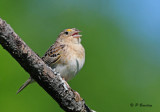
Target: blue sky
{"x":140,"y":22}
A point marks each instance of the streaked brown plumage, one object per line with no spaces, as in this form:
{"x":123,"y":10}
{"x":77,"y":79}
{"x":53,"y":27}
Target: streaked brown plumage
{"x":66,"y":55}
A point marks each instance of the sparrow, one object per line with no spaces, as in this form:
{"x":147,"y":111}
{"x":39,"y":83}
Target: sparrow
{"x":66,"y":56}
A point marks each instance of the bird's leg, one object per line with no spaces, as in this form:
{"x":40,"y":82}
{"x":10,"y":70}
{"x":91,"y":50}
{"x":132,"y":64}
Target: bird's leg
{"x":66,"y":83}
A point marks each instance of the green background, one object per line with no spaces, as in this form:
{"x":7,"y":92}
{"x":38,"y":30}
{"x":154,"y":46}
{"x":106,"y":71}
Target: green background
{"x":121,"y":39}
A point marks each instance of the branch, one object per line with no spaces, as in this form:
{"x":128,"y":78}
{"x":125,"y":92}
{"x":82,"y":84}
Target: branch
{"x":51,"y":82}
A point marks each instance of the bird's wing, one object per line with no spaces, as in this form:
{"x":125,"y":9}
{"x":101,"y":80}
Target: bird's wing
{"x":53,"y":54}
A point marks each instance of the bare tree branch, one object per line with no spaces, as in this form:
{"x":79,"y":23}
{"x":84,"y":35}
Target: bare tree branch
{"x":52,"y":83}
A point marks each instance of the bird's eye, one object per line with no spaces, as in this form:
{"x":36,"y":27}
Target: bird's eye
{"x":66,"y":33}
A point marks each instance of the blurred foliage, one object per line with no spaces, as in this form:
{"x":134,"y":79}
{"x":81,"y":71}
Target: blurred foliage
{"x":122,"y":63}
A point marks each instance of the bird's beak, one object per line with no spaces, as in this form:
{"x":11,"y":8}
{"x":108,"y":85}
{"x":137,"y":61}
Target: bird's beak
{"x":76,"y":34}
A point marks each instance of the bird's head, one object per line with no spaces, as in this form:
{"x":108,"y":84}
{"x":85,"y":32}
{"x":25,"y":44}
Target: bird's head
{"x":70,"y":35}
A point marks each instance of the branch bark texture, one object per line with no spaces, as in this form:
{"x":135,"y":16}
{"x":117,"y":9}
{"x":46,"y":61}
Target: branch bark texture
{"x":52,"y":83}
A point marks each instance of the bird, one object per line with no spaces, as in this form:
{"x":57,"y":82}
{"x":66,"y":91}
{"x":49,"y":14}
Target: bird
{"x":66,"y":56}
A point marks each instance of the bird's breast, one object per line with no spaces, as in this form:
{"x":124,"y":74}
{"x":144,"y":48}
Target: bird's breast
{"x":71,"y":62}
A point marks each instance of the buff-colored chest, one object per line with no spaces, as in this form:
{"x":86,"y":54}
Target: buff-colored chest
{"x":71,"y":62}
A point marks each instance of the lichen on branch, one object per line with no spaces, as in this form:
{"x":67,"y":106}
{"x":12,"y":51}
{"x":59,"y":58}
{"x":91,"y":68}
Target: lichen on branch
{"x":52,"y":83}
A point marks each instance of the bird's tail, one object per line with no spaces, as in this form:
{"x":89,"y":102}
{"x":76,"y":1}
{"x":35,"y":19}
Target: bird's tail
{"x":30,"y":80}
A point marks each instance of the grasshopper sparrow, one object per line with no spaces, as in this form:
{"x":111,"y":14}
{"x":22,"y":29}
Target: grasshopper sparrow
{"x":66,"y":55}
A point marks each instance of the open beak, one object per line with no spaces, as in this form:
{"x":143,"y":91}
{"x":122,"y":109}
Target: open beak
{"x":76,"y":34}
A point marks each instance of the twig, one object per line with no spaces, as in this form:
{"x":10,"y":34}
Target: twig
{"x":52,"y":83}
